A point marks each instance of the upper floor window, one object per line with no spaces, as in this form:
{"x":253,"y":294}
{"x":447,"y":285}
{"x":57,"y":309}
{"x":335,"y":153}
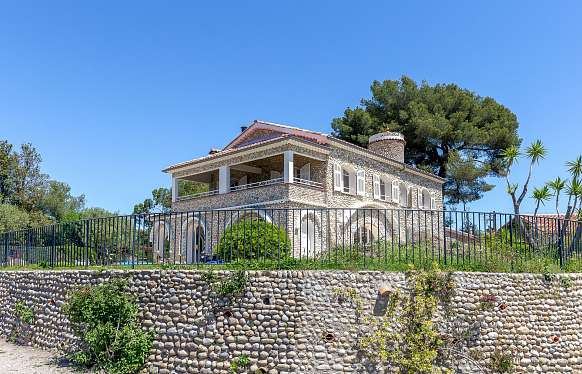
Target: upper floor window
{"x":345,"y":180}
{"x":382,"y":189}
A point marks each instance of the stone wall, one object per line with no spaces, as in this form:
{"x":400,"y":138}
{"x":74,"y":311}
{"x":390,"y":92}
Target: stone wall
{"x":283,"y":318}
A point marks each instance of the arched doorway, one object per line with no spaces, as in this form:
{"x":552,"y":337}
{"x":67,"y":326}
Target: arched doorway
{"x":193,"y":241}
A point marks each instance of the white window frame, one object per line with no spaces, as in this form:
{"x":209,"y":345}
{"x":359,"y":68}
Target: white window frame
{"x":361,"y":183}
{"x":395,"y":191}
{"x":376,"y":178}
{"x":433,"y":201}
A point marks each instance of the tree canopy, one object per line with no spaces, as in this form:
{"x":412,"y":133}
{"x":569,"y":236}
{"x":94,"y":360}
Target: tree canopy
{"x":436,"y":121}
{"x":29,"y":198}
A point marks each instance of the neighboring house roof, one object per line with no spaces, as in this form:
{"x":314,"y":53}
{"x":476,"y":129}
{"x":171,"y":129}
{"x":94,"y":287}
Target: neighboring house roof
{"x":263,"y":132}
{"x":545,"y":222}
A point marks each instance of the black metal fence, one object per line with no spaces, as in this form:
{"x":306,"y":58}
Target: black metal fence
{"x":329,"y":238}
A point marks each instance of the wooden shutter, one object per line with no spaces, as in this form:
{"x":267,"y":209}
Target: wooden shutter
{"x":337,"y":177}
{"x":361,"y":183}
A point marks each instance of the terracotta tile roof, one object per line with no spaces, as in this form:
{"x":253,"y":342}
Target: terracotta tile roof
{"x":245,"y":138}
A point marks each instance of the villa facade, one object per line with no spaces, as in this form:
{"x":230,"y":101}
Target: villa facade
{"x":291,"y":176}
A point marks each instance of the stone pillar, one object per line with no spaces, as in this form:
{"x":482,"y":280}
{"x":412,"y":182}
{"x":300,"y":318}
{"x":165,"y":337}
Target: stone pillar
{"x":174,"y":189}
{"x":288,"y":167}
{"x":224,"y":179}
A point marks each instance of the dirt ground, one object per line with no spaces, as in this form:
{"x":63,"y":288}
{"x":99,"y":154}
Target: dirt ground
{"x":16,"y":359}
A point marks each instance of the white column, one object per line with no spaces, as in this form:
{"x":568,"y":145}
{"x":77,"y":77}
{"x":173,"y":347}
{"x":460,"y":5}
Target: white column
{"x":288,"y":167}
{"x":174,"y":189}
{"x":224,"y":179}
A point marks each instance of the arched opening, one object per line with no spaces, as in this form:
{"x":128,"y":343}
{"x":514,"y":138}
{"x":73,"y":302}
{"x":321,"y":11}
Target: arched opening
{"x":308,"y":237}
{"x":160,"y":240}
{"x":364,"y":235}
{"x":193,"y":241}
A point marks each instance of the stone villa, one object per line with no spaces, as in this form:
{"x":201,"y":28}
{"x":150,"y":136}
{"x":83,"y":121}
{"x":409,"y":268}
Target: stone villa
{"x":269,"y":168}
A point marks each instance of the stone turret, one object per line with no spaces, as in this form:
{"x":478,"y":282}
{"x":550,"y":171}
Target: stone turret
{"x":388,"y":144}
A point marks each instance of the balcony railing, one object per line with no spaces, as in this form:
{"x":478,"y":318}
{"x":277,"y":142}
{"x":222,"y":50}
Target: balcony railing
{"x":256,"y":184}
{"x":197,"y":195}
{"x":308,"y":182}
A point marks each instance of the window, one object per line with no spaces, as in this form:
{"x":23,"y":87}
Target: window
{"x":363,"y":235}
{"x":346,"y":180}
{"x":424,"y":199}
{"x":433,"y":201}
{"x":381,"y":191}
{"x":395,"y":191}
{"x":376,"y":189}
{"x":361,"y":183}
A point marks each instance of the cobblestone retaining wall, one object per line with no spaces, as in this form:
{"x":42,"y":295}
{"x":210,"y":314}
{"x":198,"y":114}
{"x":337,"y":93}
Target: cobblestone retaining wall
{"x":284,"y":317}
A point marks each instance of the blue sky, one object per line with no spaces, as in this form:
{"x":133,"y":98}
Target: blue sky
{"x":111,"y":92}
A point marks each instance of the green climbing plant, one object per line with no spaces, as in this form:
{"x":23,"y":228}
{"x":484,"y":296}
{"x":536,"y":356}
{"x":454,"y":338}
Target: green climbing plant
{"x":406,"y":338}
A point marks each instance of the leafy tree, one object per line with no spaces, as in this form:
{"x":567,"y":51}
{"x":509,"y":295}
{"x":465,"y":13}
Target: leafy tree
{"x":28,"y":180}
{"x":161,"y":200}
{"x":13,"y":218}
{"x":466,"y":183}
{"x":436,"y":122}
{"x":58,"y":203}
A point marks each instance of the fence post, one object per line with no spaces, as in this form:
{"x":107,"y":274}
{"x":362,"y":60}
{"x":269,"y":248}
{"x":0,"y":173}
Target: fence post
{"x":445,"y":236}
{"x":560,"y":245}
{"x":54,"y":246}
{"x":6,"y":249}
{"x":133,"y":242}
{"x":87,"y":243}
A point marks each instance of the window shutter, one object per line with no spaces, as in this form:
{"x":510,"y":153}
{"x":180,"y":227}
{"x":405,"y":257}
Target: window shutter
{"x":420,"y":192}
{"x":395,"y":191}
{"x":361,"y":183}
{"x":337,"y":177}
{"x":376,"y":187}
{"x":433,"y":201}
{"x":305,"y":172}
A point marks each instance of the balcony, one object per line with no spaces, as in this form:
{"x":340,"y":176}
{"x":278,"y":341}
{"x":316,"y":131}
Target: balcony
{"x":287,"y":168}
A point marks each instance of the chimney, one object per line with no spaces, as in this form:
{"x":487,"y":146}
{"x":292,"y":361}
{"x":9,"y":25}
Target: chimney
{"x":243,"y":128}
{"x":388,"y":144}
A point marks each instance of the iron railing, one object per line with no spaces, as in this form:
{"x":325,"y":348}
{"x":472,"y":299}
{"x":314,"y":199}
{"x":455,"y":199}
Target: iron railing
{"x":326,"y":237}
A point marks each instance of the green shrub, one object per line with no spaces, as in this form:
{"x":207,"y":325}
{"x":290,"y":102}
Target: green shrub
{"x":23,"y":312}
{"x":501,"y":362}
{"x":105,"y":318}
{"x":253,"y":240}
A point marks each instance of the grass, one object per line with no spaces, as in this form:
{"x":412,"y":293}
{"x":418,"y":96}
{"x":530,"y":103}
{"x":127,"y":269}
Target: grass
{"x":532,"y":265}
{"x":494,"y":256}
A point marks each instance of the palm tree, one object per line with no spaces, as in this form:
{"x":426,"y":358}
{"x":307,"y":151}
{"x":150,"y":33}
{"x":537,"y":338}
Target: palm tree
{"x":541,"y":195}
{"x":535,"y":152}
{"x":557,"y":185}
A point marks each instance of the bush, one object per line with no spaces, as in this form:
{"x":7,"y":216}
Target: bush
{"x":105,"y":318}
{"x":253,"y":240}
